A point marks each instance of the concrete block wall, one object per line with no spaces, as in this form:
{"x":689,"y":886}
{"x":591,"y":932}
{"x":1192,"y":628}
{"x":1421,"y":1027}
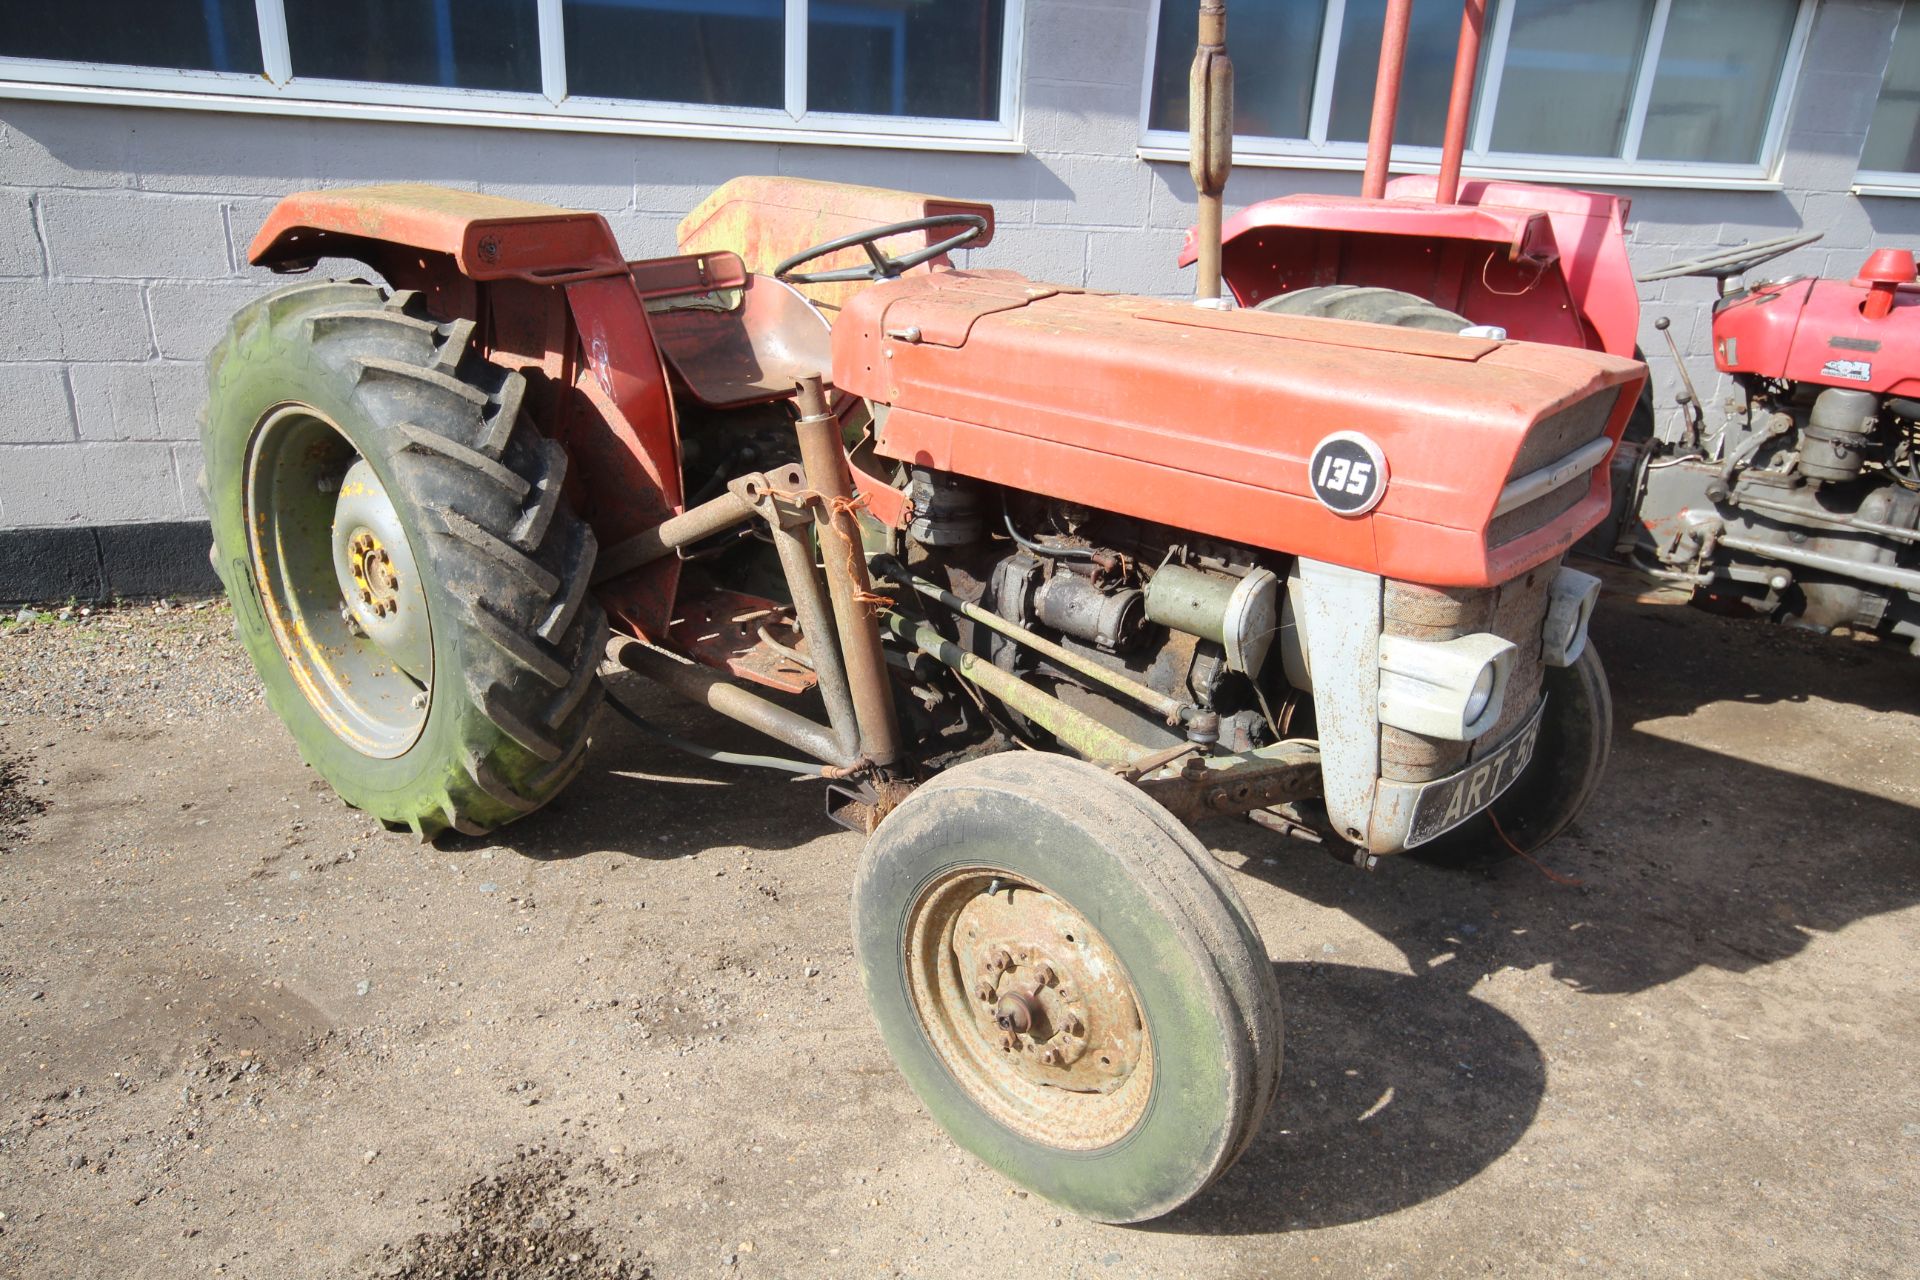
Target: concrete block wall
{"x":123,"y":231}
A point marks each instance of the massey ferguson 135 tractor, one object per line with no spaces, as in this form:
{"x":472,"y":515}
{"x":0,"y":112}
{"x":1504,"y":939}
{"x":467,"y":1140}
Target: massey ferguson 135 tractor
{"x":895,"y":516}
{"x":1803,"y":505}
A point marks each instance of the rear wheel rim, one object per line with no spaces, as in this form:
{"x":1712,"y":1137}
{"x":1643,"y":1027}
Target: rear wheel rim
{"x":1028,"y":1008}
{"x":339,"y":581}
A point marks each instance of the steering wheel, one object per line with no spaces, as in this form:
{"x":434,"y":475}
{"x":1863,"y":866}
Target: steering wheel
{"x":880,"y":266}
{"x":1735,"y":261}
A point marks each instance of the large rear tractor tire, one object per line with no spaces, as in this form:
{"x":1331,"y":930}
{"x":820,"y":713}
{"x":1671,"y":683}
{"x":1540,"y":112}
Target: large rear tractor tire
{"x":1576,"y":737}
{"x":404,"y":573}
{"x":1071,"y":988}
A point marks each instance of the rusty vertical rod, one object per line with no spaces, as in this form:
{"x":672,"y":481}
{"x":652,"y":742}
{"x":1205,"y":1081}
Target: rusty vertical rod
{"x":1466,"y":69}
{"x":1210,"y":141}
{"x":825,"y":459}
{"x":1386,"y":97}
{"x":823,"y":650}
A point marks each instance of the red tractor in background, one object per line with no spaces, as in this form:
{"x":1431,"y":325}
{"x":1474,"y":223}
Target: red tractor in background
{"x":899,"y":517}
{"x":1802,"y":505}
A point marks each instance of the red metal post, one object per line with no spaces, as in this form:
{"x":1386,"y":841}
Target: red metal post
{"x":1386,"y":97}
{"x":1466,"y":69}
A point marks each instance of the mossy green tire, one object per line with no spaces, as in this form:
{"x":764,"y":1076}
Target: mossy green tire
{"x":516,"y":639}
{"x":1201,"y":977}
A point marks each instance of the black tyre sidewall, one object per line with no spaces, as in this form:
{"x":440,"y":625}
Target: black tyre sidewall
{"x":1189,"y":1127}
{"x":1576,"y":738}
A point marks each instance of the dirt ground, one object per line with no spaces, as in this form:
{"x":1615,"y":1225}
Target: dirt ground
{"x":247,"y":1033}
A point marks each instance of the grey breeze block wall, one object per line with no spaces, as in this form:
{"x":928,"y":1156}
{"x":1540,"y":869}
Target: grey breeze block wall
{"x":123,"y":235}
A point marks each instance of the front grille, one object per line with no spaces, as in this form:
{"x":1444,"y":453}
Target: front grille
{"x":1514,"y":611}
{"x":1552,"y":439}
{"x":1539,"y":513}
{"x":1561,"y":432}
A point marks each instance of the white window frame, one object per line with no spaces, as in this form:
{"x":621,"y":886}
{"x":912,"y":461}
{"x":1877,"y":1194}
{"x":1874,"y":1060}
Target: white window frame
{"x":1317,"y":151}
{"x":279,"y":92}
{"x":1889,"y":182}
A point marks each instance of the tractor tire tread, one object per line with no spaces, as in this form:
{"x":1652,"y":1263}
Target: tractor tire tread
{"x":532,"y":529}
{"x":425,"y":441}
{"x":498,"y":550}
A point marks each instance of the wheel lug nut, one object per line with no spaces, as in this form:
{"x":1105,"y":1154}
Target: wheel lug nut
{"x":1071,"y":1027}
{"x":1045,"y":976}
{"x":1001,"y":962}
{"x":984,"y":993}
{"x":1051,"y":1057}
{"x":1007,"y":1041}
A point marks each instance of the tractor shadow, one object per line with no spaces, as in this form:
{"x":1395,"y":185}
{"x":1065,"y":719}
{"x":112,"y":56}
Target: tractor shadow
{"x":1398,"y":1088}
{"x":1692,"y":855}
{"x":641,"y":798}
{"x":1392,"y":1092}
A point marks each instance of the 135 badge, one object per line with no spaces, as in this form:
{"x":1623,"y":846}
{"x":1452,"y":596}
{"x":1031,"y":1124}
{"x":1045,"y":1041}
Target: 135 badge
{"x":1348,"y":473}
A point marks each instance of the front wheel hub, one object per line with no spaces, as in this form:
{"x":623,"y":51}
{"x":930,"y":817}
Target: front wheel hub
{"x":1030,"y":1008}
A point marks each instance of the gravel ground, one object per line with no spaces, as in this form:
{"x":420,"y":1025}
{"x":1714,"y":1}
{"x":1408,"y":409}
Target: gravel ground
{"x":151,"y":662}
{"x":245,"y":1032}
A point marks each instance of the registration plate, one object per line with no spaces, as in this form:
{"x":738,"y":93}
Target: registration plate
{"x":1448,"y":802}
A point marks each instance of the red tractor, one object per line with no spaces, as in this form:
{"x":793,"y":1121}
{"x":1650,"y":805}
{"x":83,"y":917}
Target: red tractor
{"x":1803,"y":505}
{"x":897,"y":517}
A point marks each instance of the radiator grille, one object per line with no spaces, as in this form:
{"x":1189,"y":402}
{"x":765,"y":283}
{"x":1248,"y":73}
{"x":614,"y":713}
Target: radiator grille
{"x":1553,"y":438}
{"x":1513,"y":611}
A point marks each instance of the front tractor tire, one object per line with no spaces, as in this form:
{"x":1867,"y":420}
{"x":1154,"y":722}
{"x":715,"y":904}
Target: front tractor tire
{"x":404,"y":572}
{"x":1568,"y":762}
{"x":1068,"y":983}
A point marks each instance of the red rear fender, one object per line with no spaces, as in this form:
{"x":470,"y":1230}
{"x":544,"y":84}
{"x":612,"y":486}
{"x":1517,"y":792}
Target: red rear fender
{"x":1547,"y":264}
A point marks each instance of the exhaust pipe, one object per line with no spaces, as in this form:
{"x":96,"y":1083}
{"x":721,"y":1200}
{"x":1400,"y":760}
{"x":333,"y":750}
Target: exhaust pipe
{"x":1386,"y":97}
{"x":1466,"y":69}
{"x":1210,"y":142}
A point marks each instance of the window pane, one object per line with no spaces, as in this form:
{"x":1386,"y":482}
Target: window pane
{"x":1275,"y":46}
{"x":201,"y":35}
{"x":1719,"y":69}
{"x":1568,"y":79}
{"x":1432,"y":39}
{"x":713,"y":52}
{"x":1893,"y":140}
{"x":905,"y":57}
{"x":459,"y":44}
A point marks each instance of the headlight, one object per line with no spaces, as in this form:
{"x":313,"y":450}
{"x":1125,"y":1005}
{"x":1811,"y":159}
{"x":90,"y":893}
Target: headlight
{"x":1481,"y":695}
{"x":1448,"y":689}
